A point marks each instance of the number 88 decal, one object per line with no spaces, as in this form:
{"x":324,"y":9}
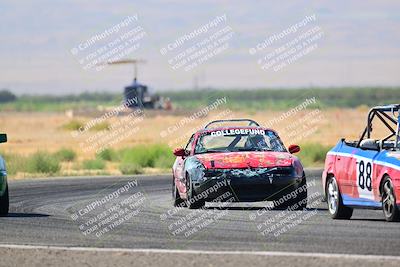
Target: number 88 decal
{"x":364,"y":175}
{"x":364,"y":172}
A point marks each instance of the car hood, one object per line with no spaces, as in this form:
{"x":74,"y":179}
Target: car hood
{"x":239,"y":160}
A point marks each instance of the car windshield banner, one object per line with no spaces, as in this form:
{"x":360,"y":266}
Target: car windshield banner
{"x":237,"y":132}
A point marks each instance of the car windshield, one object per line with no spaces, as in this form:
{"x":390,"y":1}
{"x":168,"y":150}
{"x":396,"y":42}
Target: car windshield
{"x":241,"y":139}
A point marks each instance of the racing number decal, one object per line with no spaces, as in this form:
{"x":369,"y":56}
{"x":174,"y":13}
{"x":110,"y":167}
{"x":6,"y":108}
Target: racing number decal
{"x":364,"y":178}
{"x":364,"y":175}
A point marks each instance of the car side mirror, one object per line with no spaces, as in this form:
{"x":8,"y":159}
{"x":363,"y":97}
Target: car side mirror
{"x":3,"y":138}
{"x":294,"y":149}
{"x":179,"y":152}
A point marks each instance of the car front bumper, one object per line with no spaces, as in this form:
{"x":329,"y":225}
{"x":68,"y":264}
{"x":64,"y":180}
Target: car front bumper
{"x":246,"y":186}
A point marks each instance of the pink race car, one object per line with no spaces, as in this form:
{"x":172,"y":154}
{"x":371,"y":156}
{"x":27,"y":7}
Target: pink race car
{"x":366,"y":173}
{"x":242,"y":163}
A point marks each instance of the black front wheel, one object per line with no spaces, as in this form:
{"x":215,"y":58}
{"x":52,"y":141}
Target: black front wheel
{"x":193,"y":201}
{"x":300,"y":201}
{"x":176,"y":198}
{"x":4,"y":203}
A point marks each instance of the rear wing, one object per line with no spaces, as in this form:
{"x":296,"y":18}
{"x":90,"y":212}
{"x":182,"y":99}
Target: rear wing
{"x":249,"y":121}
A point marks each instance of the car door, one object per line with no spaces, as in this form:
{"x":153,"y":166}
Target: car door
{"x":343,"y":162}
{"x":363,"y":174}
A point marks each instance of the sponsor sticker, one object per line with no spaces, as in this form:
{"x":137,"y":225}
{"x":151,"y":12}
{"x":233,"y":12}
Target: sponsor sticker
{"x":237,"y":132}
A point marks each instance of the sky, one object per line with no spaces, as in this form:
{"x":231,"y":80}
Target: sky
{"x":357,"y":44}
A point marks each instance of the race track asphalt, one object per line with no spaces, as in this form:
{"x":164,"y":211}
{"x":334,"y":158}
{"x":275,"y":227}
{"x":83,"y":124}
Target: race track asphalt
{"x":57,"y":212}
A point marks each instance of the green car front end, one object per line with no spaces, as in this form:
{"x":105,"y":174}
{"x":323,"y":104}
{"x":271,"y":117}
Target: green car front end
{"x":4,"y":199}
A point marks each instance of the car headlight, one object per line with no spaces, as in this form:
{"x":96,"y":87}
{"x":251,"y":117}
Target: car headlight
{"x":195,"y":169}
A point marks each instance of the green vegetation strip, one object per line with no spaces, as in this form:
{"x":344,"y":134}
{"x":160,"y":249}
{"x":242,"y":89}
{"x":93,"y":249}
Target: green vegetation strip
{"x":278,"y":99}
{"x":131,"y":160}
{"x":239,"y":99}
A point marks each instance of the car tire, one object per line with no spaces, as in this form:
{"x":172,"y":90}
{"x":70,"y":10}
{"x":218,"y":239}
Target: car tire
{"x":177,"y":201}
{"x":301,"y":198}
{"x":390,"y":209}
{"x":297,"y":203}
{"x":335,"y":202}
{"x":4,"y":203}
{"x":191,"y":202}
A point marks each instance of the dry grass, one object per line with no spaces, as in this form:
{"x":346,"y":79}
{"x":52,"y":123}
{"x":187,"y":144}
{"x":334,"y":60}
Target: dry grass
{"x":30,"y":132}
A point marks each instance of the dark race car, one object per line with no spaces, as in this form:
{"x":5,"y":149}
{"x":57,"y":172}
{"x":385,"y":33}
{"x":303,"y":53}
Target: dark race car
{"x":366,"y":173}
{"x":249,"y":163}
{"x":3,"y":182}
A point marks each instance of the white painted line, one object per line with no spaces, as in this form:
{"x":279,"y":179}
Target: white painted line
{"x":205,"y":252}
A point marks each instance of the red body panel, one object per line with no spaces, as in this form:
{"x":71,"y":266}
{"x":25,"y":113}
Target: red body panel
{"x":344,"y":168}
{"x":240,"y":160}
